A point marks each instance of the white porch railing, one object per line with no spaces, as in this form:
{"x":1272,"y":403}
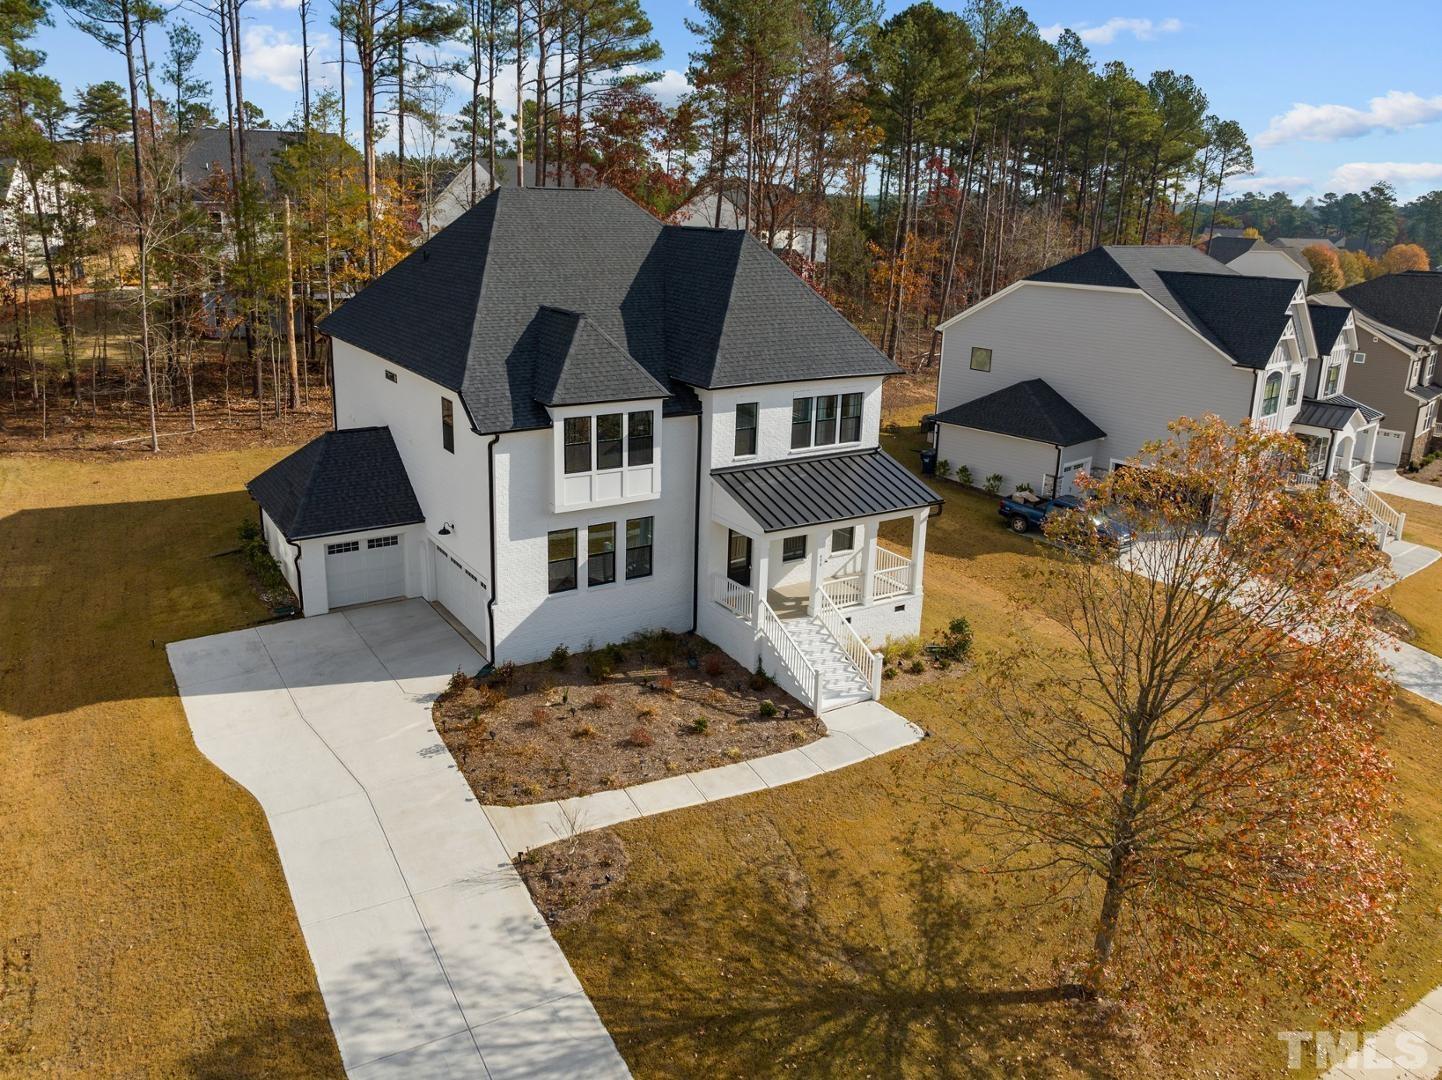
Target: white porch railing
{"x":857,"y":651}
{"x":734,"y":597}
{"x":843,"y":591}
{"x":790,"y":655}
{"x":893,"y":574}
{"x":1386,"y":522}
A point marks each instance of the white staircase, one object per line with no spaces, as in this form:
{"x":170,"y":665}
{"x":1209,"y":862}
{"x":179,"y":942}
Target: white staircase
{"x":1384,"y":522}
{"x":841,"y":682}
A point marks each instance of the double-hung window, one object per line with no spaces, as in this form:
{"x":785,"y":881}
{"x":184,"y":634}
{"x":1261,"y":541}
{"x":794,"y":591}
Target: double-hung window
{"x":578,"y":444}
{"x":561,"y":560}
{"x":850,"y":418}
{"x":1334,"y":374}
{"x":608,"y":441}
{"x":746,"y":429}
{"x":1272,"y":394}
{"x":826,"y":420}
{"x":801,"y":423}
{"x":448,"y":425}
{"x":640,"y":441}
{"x":1294,"y":387}
{"x":638,"y":547}
{"x":601,"y":554}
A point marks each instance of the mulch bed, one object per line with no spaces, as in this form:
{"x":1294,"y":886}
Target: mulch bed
{"x":571,"y":878}
{"x":656,"y":706}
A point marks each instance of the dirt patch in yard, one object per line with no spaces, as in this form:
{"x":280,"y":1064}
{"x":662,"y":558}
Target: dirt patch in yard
{"x":656,"y":706}
{"x":570,"y":879}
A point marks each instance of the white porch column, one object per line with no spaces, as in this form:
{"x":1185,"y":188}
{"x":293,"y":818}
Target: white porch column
{"x":820,"y":549}
{"x":868,"y":562}
{"x":918,"y":548}
{"x":760,"y":575}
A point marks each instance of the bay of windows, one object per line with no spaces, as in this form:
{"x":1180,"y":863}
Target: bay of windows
{"x":622,"y":440}
{"x":825,"y":420}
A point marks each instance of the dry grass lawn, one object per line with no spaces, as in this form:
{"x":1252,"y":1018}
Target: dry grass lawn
{"x":831,"y":927}
{"x":1418,"y":599}
{"x":145,"y":925}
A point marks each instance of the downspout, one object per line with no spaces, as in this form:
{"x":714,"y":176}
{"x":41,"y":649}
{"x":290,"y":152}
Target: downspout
{"x":1056,"y":481}
{"x":491,"y":491}
{"x":696,"y":537}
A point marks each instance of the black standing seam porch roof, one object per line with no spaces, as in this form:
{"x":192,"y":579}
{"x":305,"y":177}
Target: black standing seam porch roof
{"x":819,"y":490}
{"x":1333,"y":412}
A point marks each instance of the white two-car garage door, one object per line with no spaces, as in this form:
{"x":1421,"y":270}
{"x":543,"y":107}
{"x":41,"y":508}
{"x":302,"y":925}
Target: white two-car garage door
{"x":359,"y":571}
{"x":459,"y":591}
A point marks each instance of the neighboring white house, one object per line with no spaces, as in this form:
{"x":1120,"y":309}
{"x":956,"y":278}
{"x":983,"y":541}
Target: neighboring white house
{"x":721,"y":210}
{"x":1074,"y":369}
{"x":566,"y":422}
{"x":23,"y":230}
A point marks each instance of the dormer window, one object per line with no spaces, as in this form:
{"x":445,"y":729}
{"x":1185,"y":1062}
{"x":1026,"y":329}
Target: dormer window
{"x":1272,"y":394}
{"x":1334,"y":375}
{"x":604,"y":458}
{"x":578,"y":444}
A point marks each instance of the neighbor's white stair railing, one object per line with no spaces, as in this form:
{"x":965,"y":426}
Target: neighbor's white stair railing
{"x":1385,"y":520}
{"x":852,"y":644}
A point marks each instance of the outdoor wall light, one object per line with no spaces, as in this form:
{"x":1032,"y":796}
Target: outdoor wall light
{"x":446,"y":527}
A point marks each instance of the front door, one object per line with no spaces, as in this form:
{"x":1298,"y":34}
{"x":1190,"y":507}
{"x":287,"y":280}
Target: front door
{"x":738,"y":558}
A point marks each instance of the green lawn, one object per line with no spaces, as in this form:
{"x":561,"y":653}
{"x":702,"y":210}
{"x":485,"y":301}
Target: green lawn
{"x":831,"y":927}
{"x":145,"y":924}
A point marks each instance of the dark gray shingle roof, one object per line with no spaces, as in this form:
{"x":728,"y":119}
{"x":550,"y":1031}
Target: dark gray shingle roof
{"x":577,"y":363}
{"x":1332,"y":412}
{"x":209,"y":150}
{"x":1410,"y":302}
{"x":343,"y":481}
{"x":1226,"y":248}
{"x":696,"y":307}
{"x":1232,"y":311}
{"x":818,"y":490}
{"x":1327,"y":322}
{"x":1026,"y":410}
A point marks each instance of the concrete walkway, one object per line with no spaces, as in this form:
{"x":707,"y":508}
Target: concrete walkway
{"x":854,"y":733}
{"x":432,"y":960}
{"x":1409,"y":1048}
{"x":1388,"y":482}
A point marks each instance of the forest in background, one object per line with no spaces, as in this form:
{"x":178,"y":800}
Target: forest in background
{"x":941,"y":155}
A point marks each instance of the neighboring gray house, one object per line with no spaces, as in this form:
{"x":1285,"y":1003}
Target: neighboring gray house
{"x":1399,"y":331}
{"x":1077,"y":367}
{"x":1267,"y":258}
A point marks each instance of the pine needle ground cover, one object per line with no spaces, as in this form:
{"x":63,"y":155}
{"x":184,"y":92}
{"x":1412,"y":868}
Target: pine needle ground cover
{"x":145,"y":925}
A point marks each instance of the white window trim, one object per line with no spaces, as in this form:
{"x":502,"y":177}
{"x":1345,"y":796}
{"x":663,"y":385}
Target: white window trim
{"x":559,"y":416}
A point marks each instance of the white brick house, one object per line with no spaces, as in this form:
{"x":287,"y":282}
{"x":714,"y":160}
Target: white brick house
{"x":565,"y":422}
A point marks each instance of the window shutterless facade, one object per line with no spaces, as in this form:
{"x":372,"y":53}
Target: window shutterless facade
{"x":640,"y":439}
{"x":1272,"y":394}
{"x":746,"y":429}
{"x":561,"y":560}
{"x":850,"y":418}
{"x":601,"y":554}
{"x":980,"y":358}
{"x":578,"y":444}
{"x":1334,"y":375}
{"x":1294,"y":387}
{"x":843,"y":539}
{"x":639,"y":533}
{"x":793,"y":548}
{"x":825,"y":420}
{"x":801,"y":423}
{"x":448,"y":425}
{"x":608,"y":441}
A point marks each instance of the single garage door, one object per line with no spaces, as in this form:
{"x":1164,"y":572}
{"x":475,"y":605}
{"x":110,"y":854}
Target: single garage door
{"x":459,"y":591}
{"x":359,"y":571}
{"x":1389,"y":447}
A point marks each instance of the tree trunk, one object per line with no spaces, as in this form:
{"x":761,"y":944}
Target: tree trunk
{"x":289,"y":308}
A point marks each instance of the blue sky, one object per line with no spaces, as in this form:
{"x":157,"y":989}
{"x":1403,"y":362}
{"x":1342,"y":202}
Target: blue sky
{"x":1332,"y":100}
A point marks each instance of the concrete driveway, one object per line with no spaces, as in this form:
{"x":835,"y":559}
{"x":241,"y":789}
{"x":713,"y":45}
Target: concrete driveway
{"x":430,"y":956}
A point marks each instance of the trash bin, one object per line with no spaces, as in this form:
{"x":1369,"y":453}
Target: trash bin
{"x":928,"y":462}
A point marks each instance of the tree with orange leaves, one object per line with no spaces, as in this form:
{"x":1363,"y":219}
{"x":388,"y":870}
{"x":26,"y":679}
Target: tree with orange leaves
{"x":1402,"y":257}
{"x":1200,"y":770}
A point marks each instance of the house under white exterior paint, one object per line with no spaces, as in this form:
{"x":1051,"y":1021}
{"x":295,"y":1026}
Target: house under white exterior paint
{"x":667,"y":429}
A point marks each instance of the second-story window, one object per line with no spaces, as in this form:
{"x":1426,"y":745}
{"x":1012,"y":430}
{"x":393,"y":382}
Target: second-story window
{"x":1272,"y":394}
{"x":745,"y":429}
{"x":1334,"y":375}
{"x":640,"y":442}
{"x":578,"y":444}
{"x":608,"y":441}
{"x":850,"y":417}
{"x":801,"y":423}
{"x":448,"y":425}
{"x":825,"y":420}
{"x":1294,"y":387}
{"x":980,"y":358}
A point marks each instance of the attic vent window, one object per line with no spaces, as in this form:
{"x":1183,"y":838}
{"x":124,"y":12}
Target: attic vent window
{"x":391,"y":376}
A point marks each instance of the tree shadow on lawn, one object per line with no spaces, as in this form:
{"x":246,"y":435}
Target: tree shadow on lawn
{"x":923,"y":993}
{"x":99,"y":589}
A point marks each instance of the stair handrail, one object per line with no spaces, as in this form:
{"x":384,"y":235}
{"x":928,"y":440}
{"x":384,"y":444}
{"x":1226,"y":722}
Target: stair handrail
{"x":1385,"y":519}
{"x":789,"y":652}
{"x":865,"y":661}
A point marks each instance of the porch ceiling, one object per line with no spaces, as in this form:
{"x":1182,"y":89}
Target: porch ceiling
{"x":820,"y":490}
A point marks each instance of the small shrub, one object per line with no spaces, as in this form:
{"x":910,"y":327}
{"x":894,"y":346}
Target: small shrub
{"x":963,"y":475}
{"x":993,"y":484}
{"x":646,"y":714}
{"x":602,"y":700}
{"x":254,"y":550}
{"x":640,"y":738}
{"x":1024,"y":486}
{"x":916,"y":667}
{"x":505,"y":674}
{"x":759,"y":679}
{"x":713,"y":664}
{"x":666,"y":684}
{"x":584,"y":731}
{"x":460,"y":682}
{"x":559,"y":657}
{"x":734,"y":753}
{"x":954,"y":643}
{"x":539,"y":715}
{"x":488,"y":697}
{"x":767,"y":708}
{"x":888,"y":673}
{"x":943,"y":469}
{"x":600,"y":666}
{"x":701,"y":725}
{"x":896,"y":651}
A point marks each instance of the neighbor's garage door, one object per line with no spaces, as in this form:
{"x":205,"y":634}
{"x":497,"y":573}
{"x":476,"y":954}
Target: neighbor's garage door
{"x":1389,"y":447}
{"x":358,"y":571}
{"x":459,"y":591}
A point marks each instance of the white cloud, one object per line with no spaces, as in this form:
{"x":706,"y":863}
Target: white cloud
{"x":1109,"y":31}
{"x":1267,"y":183}
{"x":671,"y":86}
{"x":272,"y":55}
{"x":272,"y":5}
{"x":1395,"y":110}
{"x":1360,"y":175}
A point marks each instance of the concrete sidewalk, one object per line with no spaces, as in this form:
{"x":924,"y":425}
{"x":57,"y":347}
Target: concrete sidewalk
{"x":855,"y":733}
{"x":1388,"y":482}
{"x":432,"y":960}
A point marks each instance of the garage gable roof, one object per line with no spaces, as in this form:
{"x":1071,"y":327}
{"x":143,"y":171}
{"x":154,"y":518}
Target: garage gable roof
{"x":344,"y":481}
